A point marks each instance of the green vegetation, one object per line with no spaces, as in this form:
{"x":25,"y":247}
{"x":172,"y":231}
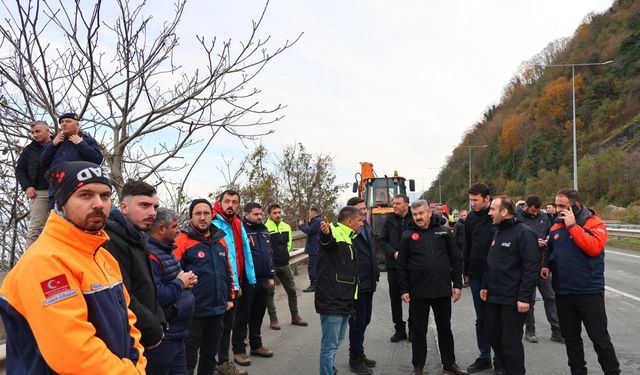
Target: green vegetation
{"x":529,"y":132}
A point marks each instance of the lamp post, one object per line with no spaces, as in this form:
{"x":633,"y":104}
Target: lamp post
{"x":470,"y":147}
{"x":573,"y":84}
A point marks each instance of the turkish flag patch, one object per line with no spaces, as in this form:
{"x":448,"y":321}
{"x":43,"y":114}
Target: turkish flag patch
{"x":415,"y":236}
{"x":201,"y":254}
{"x":55,"y":285}
{"x":493,"y":243}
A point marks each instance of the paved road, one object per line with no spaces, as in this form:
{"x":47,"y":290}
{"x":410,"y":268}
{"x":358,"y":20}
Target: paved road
{"x":297,"y":348}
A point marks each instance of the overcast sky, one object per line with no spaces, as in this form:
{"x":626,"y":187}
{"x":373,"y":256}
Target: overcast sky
{"x":393,"y":83}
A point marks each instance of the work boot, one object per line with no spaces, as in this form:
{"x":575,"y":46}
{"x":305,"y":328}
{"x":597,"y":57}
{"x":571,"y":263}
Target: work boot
{"x":311,"y":288}
{"x":498,"y":368}
{"x":480,"y":364}
{"x":557,"y":336}
{"x":274,"y":325}
{"x":228,"y":368}
{"x":531,"y":337}
{"x":262,"y":352}
{"x":453,"y":369}
{"x":358,"y":366}
{"x":297,"y":321}
{"x":418,"y":371}
{"x":400,"y":335}
{"x":369,"y":362}
{"x":242,"y":359}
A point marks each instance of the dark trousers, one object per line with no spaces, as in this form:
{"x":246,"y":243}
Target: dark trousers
{"x":250,"y":312}
{"x":588,"y":309}
{"x":393,"y":278}
{"x":227,"y":326}
{"x":311,"y":266}
{"x":284,"y":275}
{"x":480,"y":306}
{"x":504,"y":327}
{"x":419,"y":310}
{"x":169,"y":358}
{"x":203,"y":339}
{"x":550,"y":310}
{"x":358,"y":323}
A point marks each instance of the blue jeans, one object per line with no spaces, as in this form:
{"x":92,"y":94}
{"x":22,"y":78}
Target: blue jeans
{"x":334,"y":327}
{"x":480,"y":306}
{"x":169,"y":358}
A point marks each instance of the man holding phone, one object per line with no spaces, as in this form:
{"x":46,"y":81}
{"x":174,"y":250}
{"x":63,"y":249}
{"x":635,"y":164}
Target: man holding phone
{"x":575,"y":257}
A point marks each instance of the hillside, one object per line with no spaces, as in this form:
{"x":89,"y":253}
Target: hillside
{"x":529,"y":133}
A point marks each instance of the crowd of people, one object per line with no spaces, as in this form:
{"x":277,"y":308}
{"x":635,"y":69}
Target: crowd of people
{"x":126,"y":289}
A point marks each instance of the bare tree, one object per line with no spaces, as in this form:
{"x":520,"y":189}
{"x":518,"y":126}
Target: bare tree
{"x":121,"y":76}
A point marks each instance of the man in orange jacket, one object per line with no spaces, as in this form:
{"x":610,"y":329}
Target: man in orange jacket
{"x":64,"y":305}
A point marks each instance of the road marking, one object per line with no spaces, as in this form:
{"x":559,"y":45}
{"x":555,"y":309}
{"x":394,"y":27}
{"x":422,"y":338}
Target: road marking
{"x":618,"y":253}
{"x":622,"y":293}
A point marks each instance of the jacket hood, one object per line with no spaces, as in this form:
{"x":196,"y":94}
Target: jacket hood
{"x":584,"y":214}
{"x":76,"y":238}
{"x":125,"y":227}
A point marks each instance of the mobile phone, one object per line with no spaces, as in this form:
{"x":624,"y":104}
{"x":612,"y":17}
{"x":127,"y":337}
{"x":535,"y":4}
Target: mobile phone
{"x":575,"y":209}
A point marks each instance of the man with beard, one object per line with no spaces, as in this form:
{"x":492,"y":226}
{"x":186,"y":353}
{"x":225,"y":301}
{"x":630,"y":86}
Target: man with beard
{"x":392,"y":231}
{"x":126,"y":228}
{"x":174,"y":295}
{"x":32,"y":179}
{"x":508,"y":286}
{"x":202,"y":249}
{"x":252,"y":305}
{"x":430,"y":277}
{"x":239,"y":255}
{"x":63,"y":305}
{"x":70,"y":144}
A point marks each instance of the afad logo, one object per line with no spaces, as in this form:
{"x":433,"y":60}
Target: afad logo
{"x":415,"y":236}
{"x":201,"y":254}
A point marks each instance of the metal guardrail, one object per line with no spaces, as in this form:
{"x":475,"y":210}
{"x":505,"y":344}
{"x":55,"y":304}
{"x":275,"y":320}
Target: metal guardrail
{"x":634,"y":233}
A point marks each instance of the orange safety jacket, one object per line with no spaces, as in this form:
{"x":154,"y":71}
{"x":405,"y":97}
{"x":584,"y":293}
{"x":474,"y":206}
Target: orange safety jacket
{"x":64,"y":307}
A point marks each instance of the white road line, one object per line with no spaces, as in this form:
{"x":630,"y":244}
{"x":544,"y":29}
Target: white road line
{"x":619,"y":253}
{"x":610,"y":289}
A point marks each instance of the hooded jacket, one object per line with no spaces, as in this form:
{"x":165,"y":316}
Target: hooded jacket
{"x":260,"y":244}
{"x":576,"y":255}
{"x":281,"y":242}
{"x":240,"y":267}
{"x":513,"y":264}
{"x":428,"y":261}
{"x":391,"y":234}
{"x":368,"y":273}
{"x":176,"y":301}
{"x":129,"y":246}
{"x":67,"y":286}
{"x":312,"y":230}
{"x":478,"y":233}
{"x":207,"y":258}
{"x":337,"y":284}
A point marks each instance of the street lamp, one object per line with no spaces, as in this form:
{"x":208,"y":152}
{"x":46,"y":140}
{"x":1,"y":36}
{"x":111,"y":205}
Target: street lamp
{"x":573,"y":84}
{"x":439,"y":186}
{"x":470,"y":147}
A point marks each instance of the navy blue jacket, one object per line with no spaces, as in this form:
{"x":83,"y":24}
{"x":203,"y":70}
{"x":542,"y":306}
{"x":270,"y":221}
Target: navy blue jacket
{"x":260,"y":243}
{"x":207,"y":258}
{"x":312,"y":229}
{"x":478,"y":233}
{"x":368,"y":273}
{"x":176,"y":301}
{"x":87,"y":150}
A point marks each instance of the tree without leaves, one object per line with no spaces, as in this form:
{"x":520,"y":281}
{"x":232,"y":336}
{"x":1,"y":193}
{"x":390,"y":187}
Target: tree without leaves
{"x":123,"y":80}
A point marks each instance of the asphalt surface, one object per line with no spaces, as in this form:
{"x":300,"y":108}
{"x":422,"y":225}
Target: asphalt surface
{"x":297,"y":348}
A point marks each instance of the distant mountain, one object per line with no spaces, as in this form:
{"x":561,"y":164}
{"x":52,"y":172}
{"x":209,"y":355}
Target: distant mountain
{"x":529,"y":133}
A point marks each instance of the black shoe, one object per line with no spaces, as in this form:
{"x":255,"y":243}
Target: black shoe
{"x":358,"y":366}
{"x":453,"y":369}
{"x":557,"y":336}
{"x":369,"y":362}
{"x":480,"y":364}
{"x":399,"y":335}
{"x":418,"y":371}
{"x":500,"y":371}
{"x":311,"y":288}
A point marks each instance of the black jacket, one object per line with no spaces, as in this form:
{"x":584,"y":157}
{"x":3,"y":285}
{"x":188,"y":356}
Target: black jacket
{"x":392,"y":231}
{"x":368,"y":273}
{"x":260,"y":243}
{"x":428,"y":261}
{"x":28,"y":170}
{"x":539,"y":224}
{"x":458,"y":234}
{"x":337,"y":271}
{"x":513,"y":264}
{"x":478,"y":232}
{"x":129,"y":246}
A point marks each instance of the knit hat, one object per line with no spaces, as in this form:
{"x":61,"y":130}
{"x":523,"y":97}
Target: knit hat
{"x":71,"y":115}
{"x":69,"y":176}
{"x":195,"y":202}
